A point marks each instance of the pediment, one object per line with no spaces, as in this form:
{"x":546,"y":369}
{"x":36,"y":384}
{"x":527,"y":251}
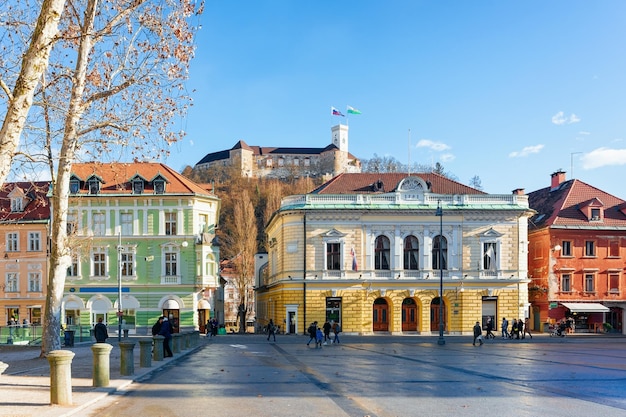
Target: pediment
{"x":333,"y":233}
{"x":490,"y":234}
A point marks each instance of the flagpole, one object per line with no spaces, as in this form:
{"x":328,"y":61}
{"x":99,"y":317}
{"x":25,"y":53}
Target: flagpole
{"x":409,"y":166}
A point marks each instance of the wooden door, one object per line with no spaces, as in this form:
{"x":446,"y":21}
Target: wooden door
{"x":409,"y":315}
{"x":380,"y":317}
{"x":435,"y":318}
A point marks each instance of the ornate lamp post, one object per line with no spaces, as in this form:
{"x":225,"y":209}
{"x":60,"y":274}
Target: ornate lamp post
{"x":441,"y":340}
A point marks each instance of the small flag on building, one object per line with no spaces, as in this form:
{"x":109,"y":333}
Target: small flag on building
{"x":336,"y":112}
{"x":355,"y":266}
{"x":352,"y":110}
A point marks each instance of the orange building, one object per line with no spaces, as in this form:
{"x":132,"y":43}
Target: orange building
{"x":577,"y":256}
{"x":24,"y":222}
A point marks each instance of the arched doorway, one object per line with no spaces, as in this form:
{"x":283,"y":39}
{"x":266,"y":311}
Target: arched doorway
{"x":409,"y":315}
{"x":380,"y":316}
{"x":435,"y":319}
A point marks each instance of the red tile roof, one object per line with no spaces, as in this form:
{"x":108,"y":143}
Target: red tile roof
{"x":116,"y":177}
{"x":368,"y":183}
{"x":36,"y":205}
{"x":561,"y":207}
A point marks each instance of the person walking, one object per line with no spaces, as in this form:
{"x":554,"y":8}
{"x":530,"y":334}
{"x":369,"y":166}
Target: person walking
{"x":336,"y":330}
{"x":166,"y":332}
{"x":319,"y":338}
{"x":520,"y":328}
{"x":271,"y":330}
{"x":156,"y":327}
{"x":100,"y":332}
{"x":478,"y":334}
{"x":312,"y":330}
{"x":327,"y":326}
{"x":514,"y":330}
{"x":505,"y":328}
{"x":489,"y":334}
{"x":526,"y":331}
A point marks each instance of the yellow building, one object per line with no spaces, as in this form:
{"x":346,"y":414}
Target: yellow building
{"x":374,"y":252}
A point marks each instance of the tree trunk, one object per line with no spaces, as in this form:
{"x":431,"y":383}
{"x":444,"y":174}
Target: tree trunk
{"x":34,"y":63}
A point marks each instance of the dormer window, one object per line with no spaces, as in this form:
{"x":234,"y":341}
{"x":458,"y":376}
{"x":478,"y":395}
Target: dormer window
{"x":17,"y":204}
{"x":94,"y":186}
{"x":159,"y":187}
{"x":595,"y":214}
{"x":137,"y":186}
{"x":74,"y":186}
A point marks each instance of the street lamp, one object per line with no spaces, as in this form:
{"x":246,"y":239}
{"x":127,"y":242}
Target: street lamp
{"x":441,"y":340}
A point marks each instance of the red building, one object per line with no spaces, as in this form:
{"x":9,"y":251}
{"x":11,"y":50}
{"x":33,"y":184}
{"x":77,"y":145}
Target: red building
{"x":577,"y":256}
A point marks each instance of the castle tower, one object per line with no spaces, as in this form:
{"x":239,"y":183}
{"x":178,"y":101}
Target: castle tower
{"x":340,"y":137}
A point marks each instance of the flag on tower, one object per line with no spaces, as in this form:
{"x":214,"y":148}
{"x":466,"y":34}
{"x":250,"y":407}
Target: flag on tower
{"x":352,"y":110}
{"x":336,"y":112}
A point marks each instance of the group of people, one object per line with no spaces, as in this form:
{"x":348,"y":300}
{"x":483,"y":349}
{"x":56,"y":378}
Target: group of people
{"x":211,"y":327}
{"x":321,"y":335}
{"x":519,"y":328}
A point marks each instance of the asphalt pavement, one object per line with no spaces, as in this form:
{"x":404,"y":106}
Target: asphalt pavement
{"x":25,"y":384}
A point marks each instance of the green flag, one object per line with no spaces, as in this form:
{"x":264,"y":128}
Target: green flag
{"x":352,"y":110}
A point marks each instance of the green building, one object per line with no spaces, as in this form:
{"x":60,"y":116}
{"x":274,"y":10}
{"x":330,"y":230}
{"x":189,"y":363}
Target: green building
{"x":144,"y":232}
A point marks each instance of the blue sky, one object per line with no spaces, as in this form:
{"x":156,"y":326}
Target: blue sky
{"x":508,"y":91}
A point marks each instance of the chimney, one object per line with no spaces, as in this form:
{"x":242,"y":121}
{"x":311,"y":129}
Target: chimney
{"x":518,"y":191}
{"x":558,"y":178}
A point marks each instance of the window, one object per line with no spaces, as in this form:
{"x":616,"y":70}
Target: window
{"x":171,"y":263}
{"x":34,"y":282}
{"x":204,"y":223}
{"x":269,"y":162}
{"x":566,"y":282}
{"x":440,"y":253}
{"x":170,"y":223}
{"x":333,"y":256}
{"x":137,"y":186}
{"x":72,"y":271}
{"x":94,"y":186}
{"x":307,"y":162}
{"x":566,"y":248}
{"x":489,"y":256}
{"x":595,"y":214}
{"x":34,"y":241}
{"x":17,"y":204}
{"x":74,"y":186}
{"x":99,"y":262}
{"x":614,"y":283}
{"x":281,"y":161}
{"x":614,"y":248}
{"x":590,"y":248}
{"x":159,"y":187}
{"x":126,"y":221}
{"x":128,"y":264}
{"x":296,"y":162}
{"x":382,"y":253}
{"x":99,"y":225}
{"x":590,"y":283}
{"x":72,"y":224}
{"x":411,"y":253}
{"x":12,"y":284}
{"x":13,"y":242}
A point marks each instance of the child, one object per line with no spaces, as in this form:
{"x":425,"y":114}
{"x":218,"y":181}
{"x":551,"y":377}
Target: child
{"x":319,"y":338}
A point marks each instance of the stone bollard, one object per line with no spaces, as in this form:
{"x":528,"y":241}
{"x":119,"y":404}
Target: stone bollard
{"x":100,"y":368}
{"x":127,"y":359}
{"x":187,"y":340}
{"x":60,"y":376}
{"x":157,"y":349}
{"x":176,"y":343}
{"x":145,"y":353}
{"x":195,"y":339}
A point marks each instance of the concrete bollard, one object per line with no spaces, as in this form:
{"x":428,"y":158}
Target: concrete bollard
{"x":60,"y":376}
{"x":157,"y":349}
{"x":101,"y":369}
{"x":176,"y":343}
{"x":187,"y":340}
{"x":127,"y":358}
{"x":195,"y":339}
{"x":145,"y":353}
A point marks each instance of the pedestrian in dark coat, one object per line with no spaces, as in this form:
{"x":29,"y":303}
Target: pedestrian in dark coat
{"x":271,"y":330}
{"x":100,"y":332}
{"x":326,"y":328}
{"x":166,"y":332}
{"x":312,"y":330}
{"x":478,"y":334}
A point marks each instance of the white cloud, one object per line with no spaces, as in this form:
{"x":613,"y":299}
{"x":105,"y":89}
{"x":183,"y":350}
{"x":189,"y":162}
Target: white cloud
{"x":561,"y":119}
{"x":435,"y":146}
{"x":602,"y":157}
{"x":584,"y":132}
{"x":526,"y":151}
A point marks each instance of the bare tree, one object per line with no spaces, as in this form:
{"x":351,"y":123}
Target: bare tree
{"x":113,"y":89}
{"x":244,"y":241}
{"x":475,"y":182}
{"x":32,"y":65}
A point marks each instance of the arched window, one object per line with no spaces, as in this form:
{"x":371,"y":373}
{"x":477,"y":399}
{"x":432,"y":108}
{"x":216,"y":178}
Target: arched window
{"x":382,"y":254}
{"x":411,"y":253}
{"x":440,"y":250}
